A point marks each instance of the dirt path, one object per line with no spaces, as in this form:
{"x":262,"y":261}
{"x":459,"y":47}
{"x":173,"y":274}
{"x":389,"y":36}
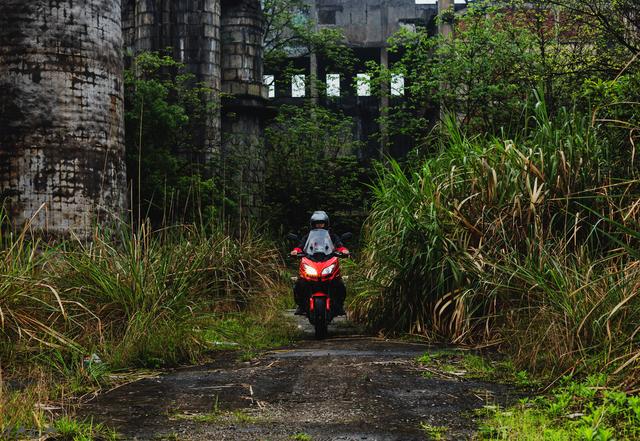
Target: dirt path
{"x":344,"y":388}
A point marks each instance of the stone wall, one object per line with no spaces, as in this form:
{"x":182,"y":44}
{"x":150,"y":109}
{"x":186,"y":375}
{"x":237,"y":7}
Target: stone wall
{"x":61,"y":112}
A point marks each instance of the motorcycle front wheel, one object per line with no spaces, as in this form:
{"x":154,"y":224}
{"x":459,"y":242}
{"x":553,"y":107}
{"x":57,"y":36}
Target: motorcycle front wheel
{"x":320,"y":321}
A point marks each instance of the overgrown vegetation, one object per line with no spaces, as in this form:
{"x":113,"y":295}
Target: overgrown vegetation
{"x":74,"y":313}
{"x":520,"y":227}
{"x":312,"y":165}
{"x":531,"y":239}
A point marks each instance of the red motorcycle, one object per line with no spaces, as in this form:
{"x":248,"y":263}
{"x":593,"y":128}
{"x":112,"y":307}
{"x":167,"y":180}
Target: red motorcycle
{"x":320,"y":272}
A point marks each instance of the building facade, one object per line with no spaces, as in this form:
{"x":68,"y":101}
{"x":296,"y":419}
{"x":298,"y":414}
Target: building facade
{"x":367,"y":26}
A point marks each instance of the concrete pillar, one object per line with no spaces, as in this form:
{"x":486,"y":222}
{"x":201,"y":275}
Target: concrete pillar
{"x":384,"y":104}
{"x":242,"y":27}
{"x":191,"y":28}
{"x":313,"y":77}
{"x":445,"y":29}
{"x":385,"y":87}
{"x":313,"y":63}
{"x":61,"y":113}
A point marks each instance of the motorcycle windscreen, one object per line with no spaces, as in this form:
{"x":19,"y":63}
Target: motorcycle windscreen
{"x":319,"y":242}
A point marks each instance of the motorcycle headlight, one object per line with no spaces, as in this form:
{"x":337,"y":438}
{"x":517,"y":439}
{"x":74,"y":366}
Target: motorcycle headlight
{"x":328,"y":270}
{"x":310,"y":271}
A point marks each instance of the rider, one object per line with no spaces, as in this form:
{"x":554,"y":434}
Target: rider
{"x":320,"y":220}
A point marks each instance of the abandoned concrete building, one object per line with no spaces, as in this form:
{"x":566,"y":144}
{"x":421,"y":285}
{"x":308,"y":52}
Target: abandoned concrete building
{"x":61,"y":91}
{"x":61,"y":96}
{"x":367,"y":26}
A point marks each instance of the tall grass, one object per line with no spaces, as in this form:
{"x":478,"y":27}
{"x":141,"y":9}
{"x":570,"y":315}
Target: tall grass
{"x":523,"y":242}
{"x":134,"y":298}
{"x":571,"y":313}
{"x":160,"y":285}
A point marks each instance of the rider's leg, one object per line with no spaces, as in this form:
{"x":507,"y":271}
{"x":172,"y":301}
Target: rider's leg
{"x":339,"y":295}
{"x":298,"y":296}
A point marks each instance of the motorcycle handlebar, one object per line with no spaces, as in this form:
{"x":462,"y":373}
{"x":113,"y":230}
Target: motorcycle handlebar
{"x":335,"y":253}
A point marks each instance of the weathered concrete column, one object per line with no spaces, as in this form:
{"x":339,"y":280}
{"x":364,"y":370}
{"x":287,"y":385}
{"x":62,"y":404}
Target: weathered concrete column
{"x":313,"y":77}
{"x":313,"y":63}
{"x":243,"y":111}
{"x":445,"y":28}
{"x":242,"y":61}
{"x":61,"y":113}
{"x":384,"y":104}
{"x":191,"y":29}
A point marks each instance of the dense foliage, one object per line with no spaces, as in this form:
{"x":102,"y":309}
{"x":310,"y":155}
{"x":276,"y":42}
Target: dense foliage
{"x":491,"y":223}
{"x":521,"y":225}
{"x":312,"y":165}
{"x":499,"y":53}
{"x":167,"y":112}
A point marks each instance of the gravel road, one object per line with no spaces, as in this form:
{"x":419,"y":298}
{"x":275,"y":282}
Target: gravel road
{"x":348,"y":387}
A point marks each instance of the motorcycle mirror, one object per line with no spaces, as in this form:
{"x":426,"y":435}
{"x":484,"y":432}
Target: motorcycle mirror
{"x":346,"y":237}
{"x":292,"y":237}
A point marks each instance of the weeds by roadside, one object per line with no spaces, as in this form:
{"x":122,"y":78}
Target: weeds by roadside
{"x":467,"y":364}
{"x":69,"y":429}
{"x":575,"y":410}
{"x":525,"y":243}
{"x":73,"y":314}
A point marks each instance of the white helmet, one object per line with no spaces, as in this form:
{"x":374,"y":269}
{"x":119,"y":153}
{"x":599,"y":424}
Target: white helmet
{"x":319,"y":217}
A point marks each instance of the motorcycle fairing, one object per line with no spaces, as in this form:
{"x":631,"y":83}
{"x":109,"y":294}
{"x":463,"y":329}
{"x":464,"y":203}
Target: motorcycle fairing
{"x":319,"y":267}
